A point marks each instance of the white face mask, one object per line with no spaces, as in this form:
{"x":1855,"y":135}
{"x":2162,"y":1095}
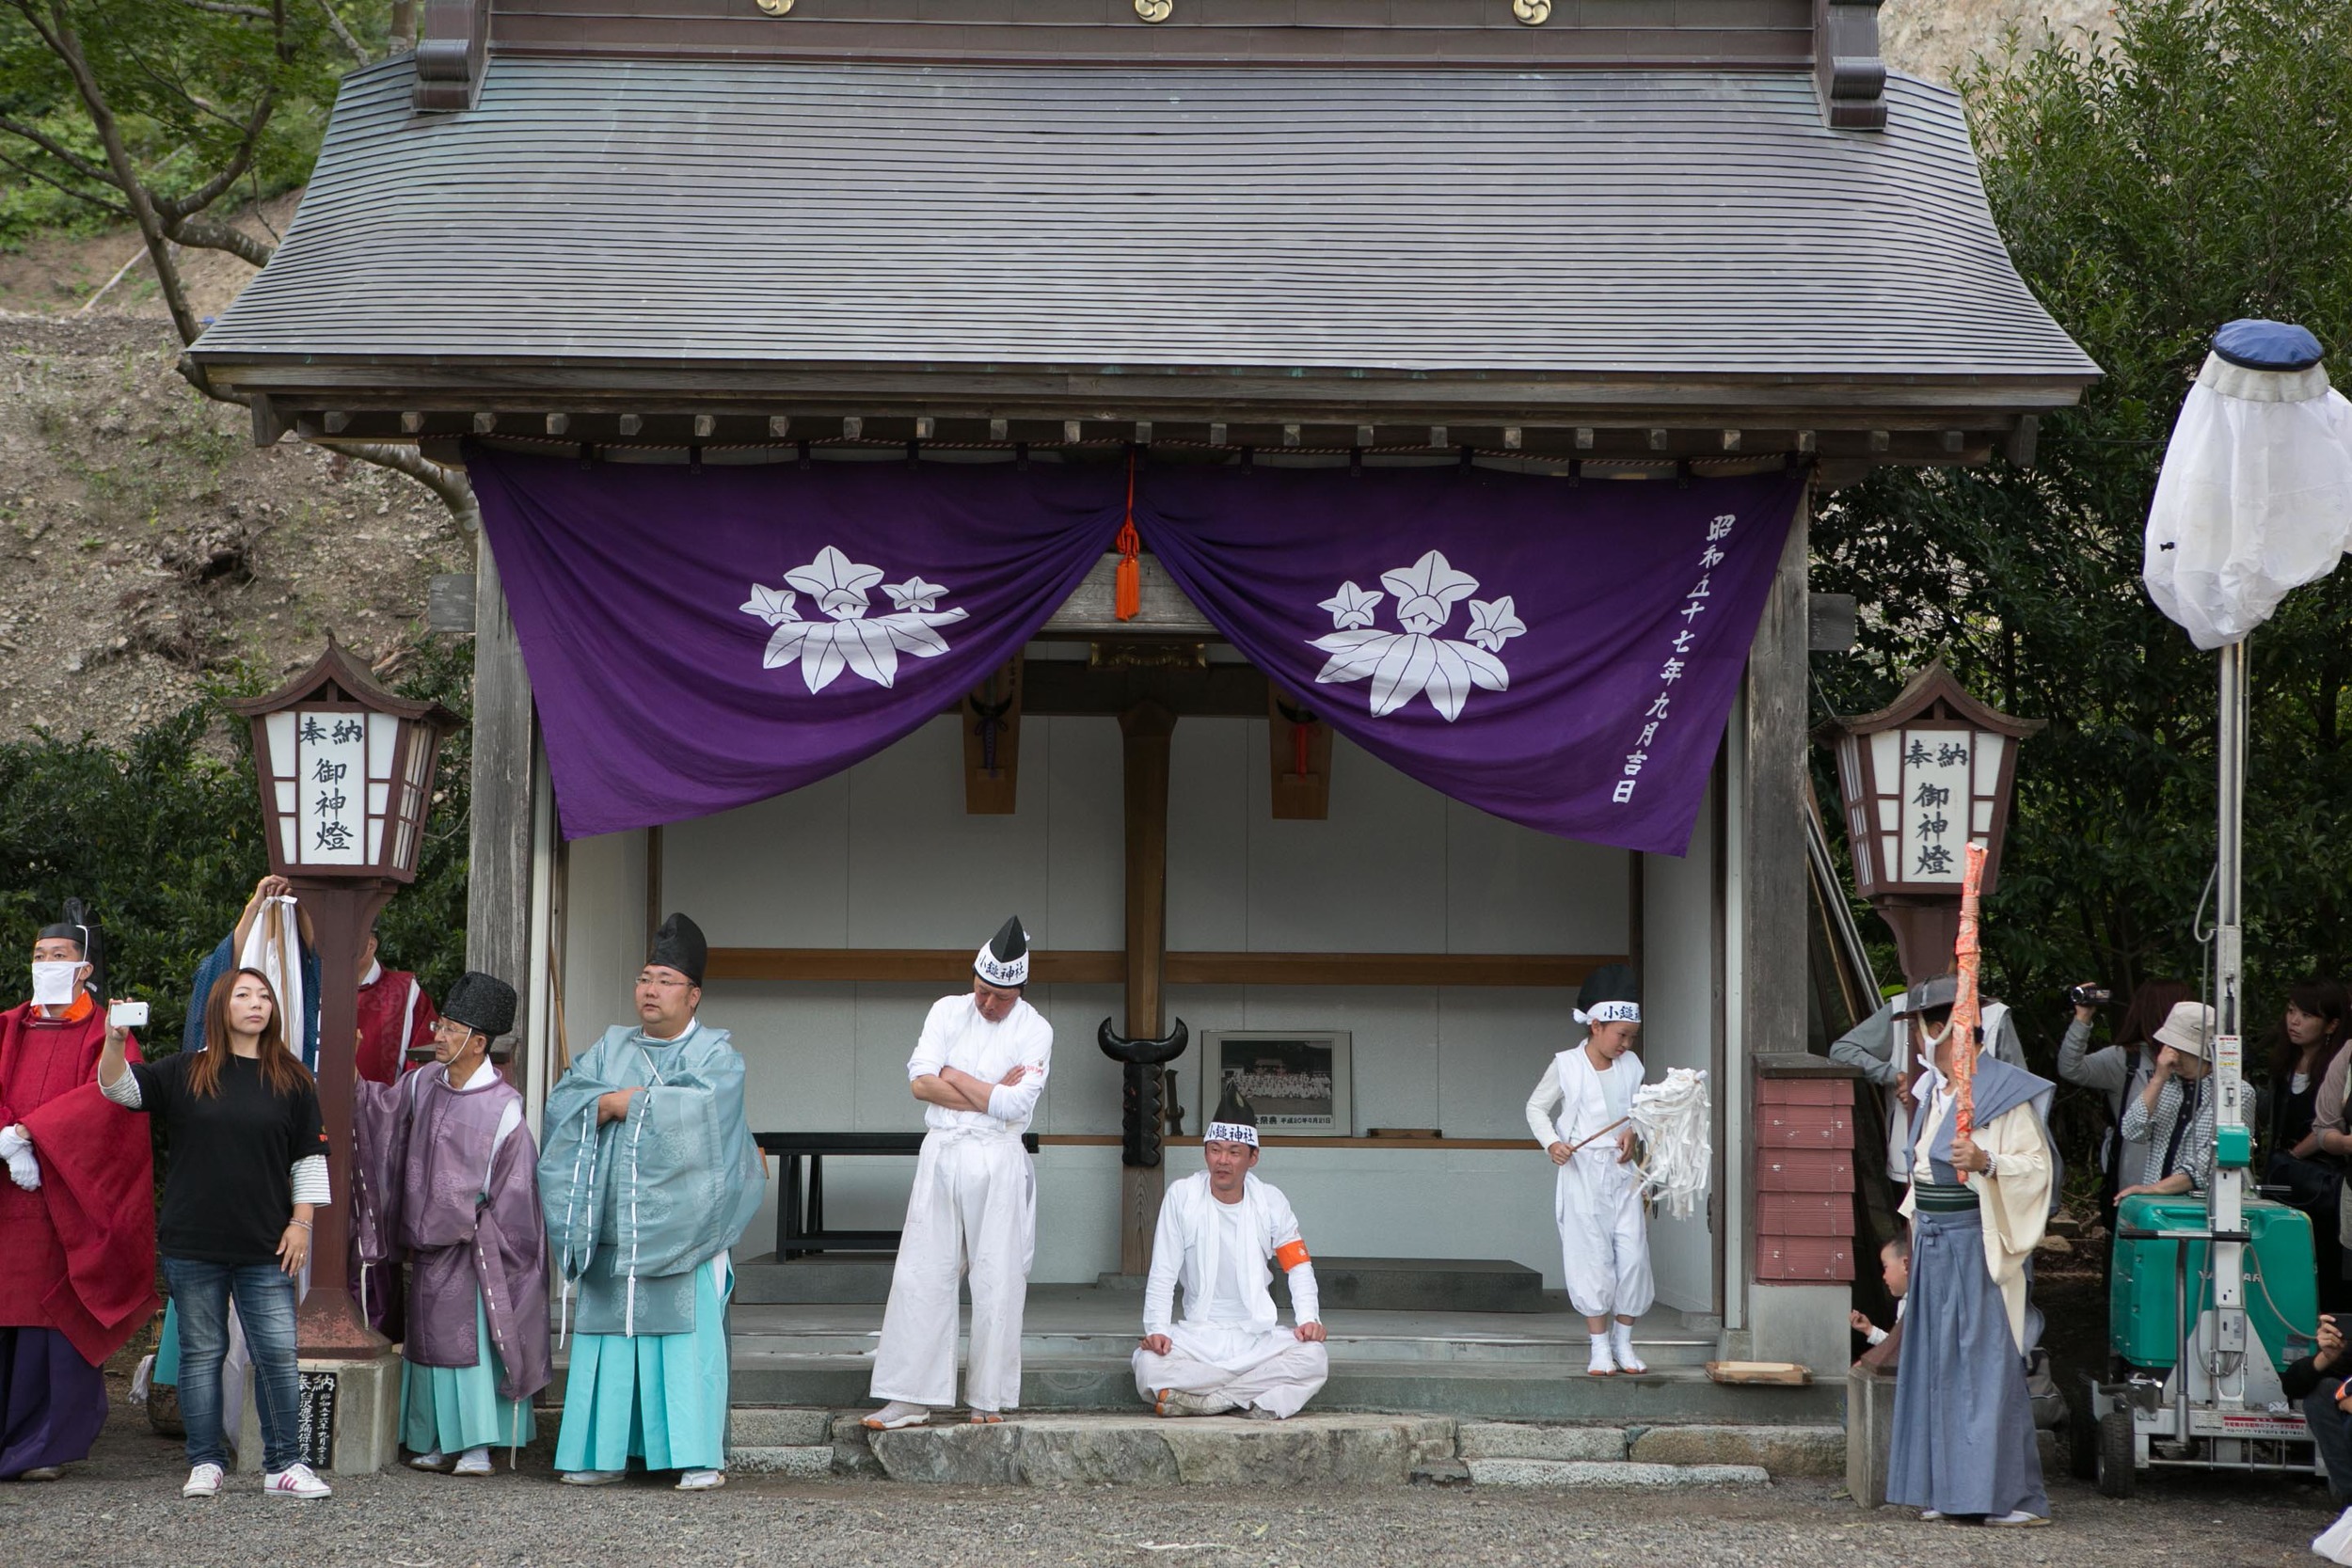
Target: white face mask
{"x":53,"y":984}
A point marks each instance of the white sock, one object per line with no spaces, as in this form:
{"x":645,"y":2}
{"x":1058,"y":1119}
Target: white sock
{"x":1621,"y":1341}
{"x":1604,"y":1361}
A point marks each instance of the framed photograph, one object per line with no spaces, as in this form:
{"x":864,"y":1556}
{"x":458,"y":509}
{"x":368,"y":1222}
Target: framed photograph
{"x":1298,"y":1081}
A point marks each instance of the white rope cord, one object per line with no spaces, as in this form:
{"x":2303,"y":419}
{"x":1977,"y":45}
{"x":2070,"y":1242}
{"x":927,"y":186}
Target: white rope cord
{"x":1672,"y":1117}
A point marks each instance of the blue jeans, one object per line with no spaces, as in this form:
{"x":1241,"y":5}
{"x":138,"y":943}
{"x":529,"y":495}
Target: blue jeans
{"x":266,"y":1311}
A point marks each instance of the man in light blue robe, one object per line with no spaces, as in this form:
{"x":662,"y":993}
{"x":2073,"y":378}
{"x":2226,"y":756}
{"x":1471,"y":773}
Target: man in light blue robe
{"x":648,"y":1176}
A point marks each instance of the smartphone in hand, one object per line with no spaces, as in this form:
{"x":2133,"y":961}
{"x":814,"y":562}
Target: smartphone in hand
{"x":126,"y":1014}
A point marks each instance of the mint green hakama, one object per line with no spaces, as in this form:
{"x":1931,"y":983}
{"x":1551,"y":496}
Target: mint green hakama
{"x":451,"y":1409}
{"x":658,"y":1398}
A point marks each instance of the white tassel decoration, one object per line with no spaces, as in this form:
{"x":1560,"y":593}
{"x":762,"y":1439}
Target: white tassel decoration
{"x":1677,"y":1159}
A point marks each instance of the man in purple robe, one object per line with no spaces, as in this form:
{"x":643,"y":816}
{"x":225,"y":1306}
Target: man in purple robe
{"x":447,"y":1174}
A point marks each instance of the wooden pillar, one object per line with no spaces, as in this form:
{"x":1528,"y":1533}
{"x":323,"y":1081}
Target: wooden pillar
{"x":1774,"y":915}
{"x":1786,"y":1321}
{"x":499,"y":885}
{"x":1146,"y":730}
{"x":329,"y":1326}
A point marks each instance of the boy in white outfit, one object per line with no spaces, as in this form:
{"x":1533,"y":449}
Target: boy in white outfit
{"x":1578,"y":1114}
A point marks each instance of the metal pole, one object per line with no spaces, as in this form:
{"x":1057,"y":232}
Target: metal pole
{"x":2226,"y":1213}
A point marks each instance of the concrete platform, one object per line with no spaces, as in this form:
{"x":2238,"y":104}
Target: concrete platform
{"x":1366,"y":1284}
{"x":1465,"y":1365}
{"x":1423,"y":1285}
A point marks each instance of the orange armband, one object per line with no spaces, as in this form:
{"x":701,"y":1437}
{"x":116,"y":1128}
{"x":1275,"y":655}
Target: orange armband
{"x":1291,"y":1253}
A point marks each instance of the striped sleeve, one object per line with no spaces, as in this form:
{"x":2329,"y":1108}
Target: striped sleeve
{"x":310,"y":1180}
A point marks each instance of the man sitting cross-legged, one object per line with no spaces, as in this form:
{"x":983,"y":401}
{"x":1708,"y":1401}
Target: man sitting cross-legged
{"x":1216,"y":1231}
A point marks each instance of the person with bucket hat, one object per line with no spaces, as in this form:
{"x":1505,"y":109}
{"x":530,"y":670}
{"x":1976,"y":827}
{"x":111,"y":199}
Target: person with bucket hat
{"x":2167,"y":1129}
{"x":447,"y":1174}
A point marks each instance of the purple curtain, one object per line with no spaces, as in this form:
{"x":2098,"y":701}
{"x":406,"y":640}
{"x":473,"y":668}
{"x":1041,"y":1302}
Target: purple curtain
{"x":702,"y":639}
{"x":1563,"y":655}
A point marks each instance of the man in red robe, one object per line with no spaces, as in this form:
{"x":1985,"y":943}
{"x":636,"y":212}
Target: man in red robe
{"x":77,"y":1216}
{"x":395,"y":1018}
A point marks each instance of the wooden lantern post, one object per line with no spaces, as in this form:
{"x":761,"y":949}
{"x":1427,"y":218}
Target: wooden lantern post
{"x":1923,"y":779}
{"x":345,"y":770}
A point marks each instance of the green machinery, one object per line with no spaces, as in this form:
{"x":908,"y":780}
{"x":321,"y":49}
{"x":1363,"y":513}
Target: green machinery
{"x":2186,"y":1389}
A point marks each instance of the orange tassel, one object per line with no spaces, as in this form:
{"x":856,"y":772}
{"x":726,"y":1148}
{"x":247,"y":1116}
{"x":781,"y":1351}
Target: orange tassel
{"x":1127,"y":582}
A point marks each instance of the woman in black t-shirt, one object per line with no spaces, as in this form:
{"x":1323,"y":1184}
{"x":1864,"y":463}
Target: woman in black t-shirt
{"x":247,"y":1167}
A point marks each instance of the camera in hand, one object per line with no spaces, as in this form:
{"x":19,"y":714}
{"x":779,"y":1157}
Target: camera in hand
{"x":2089,"y":996}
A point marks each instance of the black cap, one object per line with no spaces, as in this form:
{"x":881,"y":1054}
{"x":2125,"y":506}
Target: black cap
{"x":1004,"y":962}
{"x":482,"y":1002}
{"x":1233,"y":1108}
{"x":1608,"y":983}
{"x":679,"y":945}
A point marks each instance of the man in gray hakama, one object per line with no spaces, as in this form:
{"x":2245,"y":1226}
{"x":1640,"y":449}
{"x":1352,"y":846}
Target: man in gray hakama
{"x":1963,"y":1441}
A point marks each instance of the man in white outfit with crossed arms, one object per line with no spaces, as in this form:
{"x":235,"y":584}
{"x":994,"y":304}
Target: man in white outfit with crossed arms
{"x":979,"y":1070}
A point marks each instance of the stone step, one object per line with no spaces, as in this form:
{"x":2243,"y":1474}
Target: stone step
{"x":1308,"y":1449}
{"x":813,"y":1462}
{"x":1569,"y":1350}
{"x":1783,"y":1450}
{"x":1492,"y":1391}
{"x":1613,"y":1473}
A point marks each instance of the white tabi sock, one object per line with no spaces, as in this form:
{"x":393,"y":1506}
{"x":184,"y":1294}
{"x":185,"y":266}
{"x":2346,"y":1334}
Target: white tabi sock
{"x":1604,"y":1364}
{"x":1621,"y":1341}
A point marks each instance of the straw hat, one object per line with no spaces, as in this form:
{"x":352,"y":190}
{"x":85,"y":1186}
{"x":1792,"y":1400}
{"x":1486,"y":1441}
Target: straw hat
{"x":2189,"y":1027}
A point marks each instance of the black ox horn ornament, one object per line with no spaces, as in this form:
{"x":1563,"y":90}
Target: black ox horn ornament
{"x":1140,"y":1115}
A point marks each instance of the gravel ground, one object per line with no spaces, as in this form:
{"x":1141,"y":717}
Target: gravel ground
{"x":123,"y":1508}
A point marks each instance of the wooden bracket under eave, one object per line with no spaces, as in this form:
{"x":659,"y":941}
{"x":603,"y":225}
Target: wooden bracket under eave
{"x":1300,"y":749}
{"x":992,"y":744}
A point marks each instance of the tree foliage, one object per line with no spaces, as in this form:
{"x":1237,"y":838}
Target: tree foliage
{"x":161,"y":838}
{"x":2197,"y":171}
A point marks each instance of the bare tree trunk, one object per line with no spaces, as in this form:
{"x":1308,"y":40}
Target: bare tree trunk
{"x":67,"y":48}
{"x":404,"y":27}
{"x":443,"y":481}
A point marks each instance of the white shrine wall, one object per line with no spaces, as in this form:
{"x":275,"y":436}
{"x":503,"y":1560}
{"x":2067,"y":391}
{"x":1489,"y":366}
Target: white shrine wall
{"x":884,"y":856}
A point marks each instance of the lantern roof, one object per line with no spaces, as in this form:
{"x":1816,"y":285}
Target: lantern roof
{"x":338,"y":677}
{"x":1935,"y":692}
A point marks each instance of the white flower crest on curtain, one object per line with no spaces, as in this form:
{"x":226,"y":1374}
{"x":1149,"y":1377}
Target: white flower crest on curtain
{"x":847,"y":640}
{"x":1415,"y":662}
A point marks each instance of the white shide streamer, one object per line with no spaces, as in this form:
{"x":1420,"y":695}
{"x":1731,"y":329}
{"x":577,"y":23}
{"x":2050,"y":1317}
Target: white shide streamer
{"x":1672,"y":1117}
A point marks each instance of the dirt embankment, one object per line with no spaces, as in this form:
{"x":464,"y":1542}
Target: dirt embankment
{"x":150,"y":546}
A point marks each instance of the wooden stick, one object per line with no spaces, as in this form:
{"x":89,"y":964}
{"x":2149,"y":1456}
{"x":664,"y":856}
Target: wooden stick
{"x":1602,"y":1133}
{"x":1968,"y":1016}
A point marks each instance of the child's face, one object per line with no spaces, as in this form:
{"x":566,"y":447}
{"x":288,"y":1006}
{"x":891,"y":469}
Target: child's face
{"x":1898,"y":1269}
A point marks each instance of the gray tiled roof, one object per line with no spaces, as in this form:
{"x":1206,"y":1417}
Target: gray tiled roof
{"x":1652,"y":223}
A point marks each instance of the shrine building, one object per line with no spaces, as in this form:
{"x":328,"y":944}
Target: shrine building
{"x":1304,"y":503}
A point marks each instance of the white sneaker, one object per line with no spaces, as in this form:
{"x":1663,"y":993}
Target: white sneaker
{"x":1621,"y":1345}
{"x":294,"y":1481}
{"x":896,"y":1415}
{"x":474,"y":1461}
{"x":435,"y":1460}
{"x":702,"y":1481}
{"x":203,"y":1482}
{"x":1604,"y":1364}
{"x":589,"y":1477}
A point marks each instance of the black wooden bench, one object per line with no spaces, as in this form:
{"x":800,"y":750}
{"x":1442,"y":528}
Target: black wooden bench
{"x":800,"y":1216}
